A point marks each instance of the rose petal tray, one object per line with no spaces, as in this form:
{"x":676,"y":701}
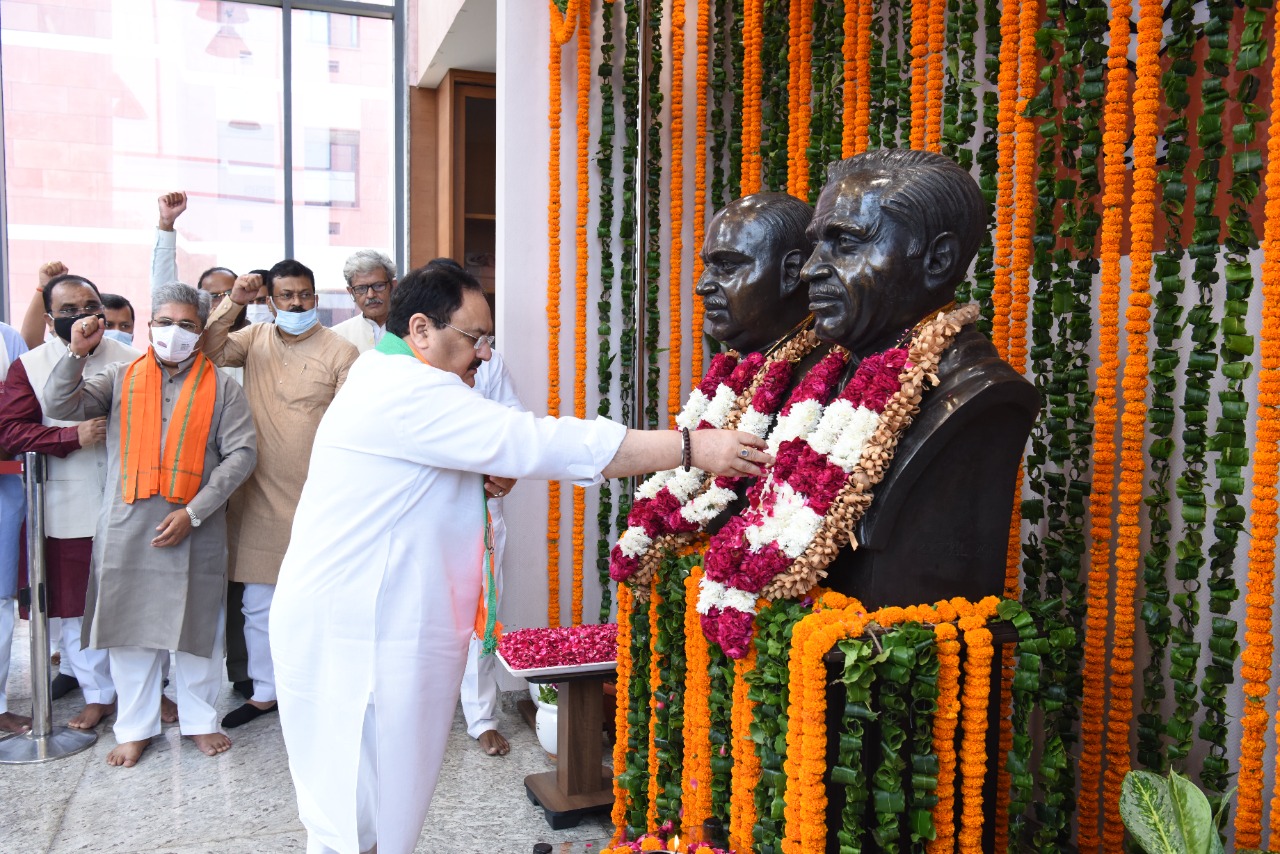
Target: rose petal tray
{"x":568,"y":671}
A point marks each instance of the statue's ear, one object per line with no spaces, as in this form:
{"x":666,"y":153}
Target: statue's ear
{"x":792,"y":264}
{"x":940,"y":259}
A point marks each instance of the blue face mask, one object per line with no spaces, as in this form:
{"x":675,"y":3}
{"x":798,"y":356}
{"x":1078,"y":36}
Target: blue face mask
{"x":120,"y":335}
{"x":296,"y":322}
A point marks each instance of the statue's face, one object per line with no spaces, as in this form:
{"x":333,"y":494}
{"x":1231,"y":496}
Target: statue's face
{"x":741,"y":283}
{"x":864,"y":290}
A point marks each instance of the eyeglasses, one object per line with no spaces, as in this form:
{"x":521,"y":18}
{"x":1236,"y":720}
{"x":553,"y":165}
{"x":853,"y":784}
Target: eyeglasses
{"x":219,"y":297}
{"x":290,"y":296}
{"x":76,"y":311}
{"x":481,"y":340}
{"x":361,"y":290}
{"x":185,"y":325}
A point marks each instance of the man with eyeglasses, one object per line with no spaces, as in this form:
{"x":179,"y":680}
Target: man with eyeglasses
{"x":77,"y":477}
{"x":180,"y":440}
{"x":371,"y":277}
{"x":292,"y":370}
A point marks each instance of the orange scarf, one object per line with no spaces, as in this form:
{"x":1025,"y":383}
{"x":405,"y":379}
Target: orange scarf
{"x":142,"y":471}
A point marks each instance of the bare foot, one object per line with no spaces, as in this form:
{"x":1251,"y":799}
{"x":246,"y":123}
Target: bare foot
{"x":9,"y":722}
{"x":91,"y":715}
{"x":492,"y":742}
{"x":211,"y":743}
{"x":126,"y":755}
{"x":168,"y":710}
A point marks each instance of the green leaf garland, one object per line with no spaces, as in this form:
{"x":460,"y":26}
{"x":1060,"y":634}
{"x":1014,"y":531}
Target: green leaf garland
{"x":604,"y":331}
{"x":769,"y":691}
{"x":653,"y":220}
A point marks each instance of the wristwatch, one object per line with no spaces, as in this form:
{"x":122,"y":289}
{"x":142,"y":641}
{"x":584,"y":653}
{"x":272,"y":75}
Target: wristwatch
{"x":195,"y":520}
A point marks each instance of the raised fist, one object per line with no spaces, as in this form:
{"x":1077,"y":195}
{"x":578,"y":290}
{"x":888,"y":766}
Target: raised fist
{"x":246,"y":288}
{"x":86,"y":334}
{"x":51,"y":270}
{"x":171,"y":206}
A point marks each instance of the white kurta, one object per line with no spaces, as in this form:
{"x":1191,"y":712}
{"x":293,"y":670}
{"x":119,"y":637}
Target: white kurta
{"x":378,"y":591}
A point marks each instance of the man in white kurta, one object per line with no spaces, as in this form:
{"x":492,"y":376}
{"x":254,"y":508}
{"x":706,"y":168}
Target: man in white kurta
{"x":377,"y":595}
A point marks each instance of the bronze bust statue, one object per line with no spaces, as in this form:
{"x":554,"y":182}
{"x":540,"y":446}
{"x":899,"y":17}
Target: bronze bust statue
{"x":894,"y":232}
{"x":750,"y":284}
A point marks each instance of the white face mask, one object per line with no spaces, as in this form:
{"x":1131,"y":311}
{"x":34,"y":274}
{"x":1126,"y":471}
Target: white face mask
{"x":296,"y":322}
{"x":255,"y":313}
{"x":120,"y":335}
{"x":173,"y":343}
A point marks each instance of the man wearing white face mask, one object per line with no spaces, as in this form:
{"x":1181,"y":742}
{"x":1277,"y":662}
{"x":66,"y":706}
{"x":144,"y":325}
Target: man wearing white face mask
{"x":292,"y":370}
{"x":180,"y":440}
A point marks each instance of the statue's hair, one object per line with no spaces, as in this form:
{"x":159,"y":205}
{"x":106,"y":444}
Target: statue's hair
{"x":930,"y":194}
{"x":787,"y":216}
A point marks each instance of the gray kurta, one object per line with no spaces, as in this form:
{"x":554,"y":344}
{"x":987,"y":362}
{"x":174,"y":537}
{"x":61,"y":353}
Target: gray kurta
{"x":140,"y":595}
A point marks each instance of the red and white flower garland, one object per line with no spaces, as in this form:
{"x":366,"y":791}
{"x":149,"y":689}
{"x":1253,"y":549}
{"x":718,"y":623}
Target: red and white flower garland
{"x":827,"y":458}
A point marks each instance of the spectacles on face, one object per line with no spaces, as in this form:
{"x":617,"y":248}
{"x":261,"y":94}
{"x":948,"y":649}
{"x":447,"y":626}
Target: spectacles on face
{"x":185,"y":325}
{"x":218,"y":297}
{"x":489,"y":341}
{"x":290,"y":296}
{"x":76,"y":311}
{"x":361,"y":290}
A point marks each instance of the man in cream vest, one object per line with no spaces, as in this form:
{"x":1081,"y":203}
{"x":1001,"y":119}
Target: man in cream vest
{"x":77,"y":477}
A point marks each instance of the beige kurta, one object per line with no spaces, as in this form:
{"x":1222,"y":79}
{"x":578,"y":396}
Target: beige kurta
{"x":289,"y":382}
{"x":140,"y":595}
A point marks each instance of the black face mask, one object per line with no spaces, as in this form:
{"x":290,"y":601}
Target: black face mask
{"x":62,"y":325}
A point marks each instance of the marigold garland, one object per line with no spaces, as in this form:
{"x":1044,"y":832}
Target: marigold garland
{"x":746,"y":764}
{"x":1001,"y":293}
{"x":973,"y":751}
{"x":1256,"y":669}
{"x":919,"y":46}
{"x":851,"y":94}
{"x":933,"y":93}
{"x":655,"y":683}
{"x":945,"y":724}
{"x":557,"y":39}
{"x":800,"y":97}
{"x":752,"y":87}
{"x":1128,"y":553}
{"x":583,"y":119}
{"x":862,"y":115}
{"x":1115,"y":118}
{"x":676,"y":202}
{"x":696,"y":778}
{"x":622,"y":707}
{"x":702,"y":71}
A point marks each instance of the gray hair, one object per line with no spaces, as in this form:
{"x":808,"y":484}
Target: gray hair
{"x":365,"y":261}
{"x":176,"y":293}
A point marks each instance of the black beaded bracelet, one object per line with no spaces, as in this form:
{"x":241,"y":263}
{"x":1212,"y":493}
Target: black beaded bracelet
{"x":686,"y":456}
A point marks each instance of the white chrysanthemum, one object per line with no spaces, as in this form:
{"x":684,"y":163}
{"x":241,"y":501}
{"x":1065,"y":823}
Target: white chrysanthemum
{"x":784,"y":502}
{"x":717,"y":411}
{"x":653,"y":484}
{"x":693,"y":409}
{"x":713,"y":594}
{"x":799,"y":532}
{"x":685,"y":483}
{"x":834,"y":421}
{"x":755,"y":423}
{"x":848,"y":449}
{"x":796,"y":424}
{"x":708,"y":505}
{"x":634,"y":542}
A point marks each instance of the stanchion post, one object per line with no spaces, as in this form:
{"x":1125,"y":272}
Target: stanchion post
{"x":44,"y":742}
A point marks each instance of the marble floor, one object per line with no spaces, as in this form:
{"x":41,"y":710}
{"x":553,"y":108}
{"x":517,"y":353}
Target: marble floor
{"x":179,"y":801}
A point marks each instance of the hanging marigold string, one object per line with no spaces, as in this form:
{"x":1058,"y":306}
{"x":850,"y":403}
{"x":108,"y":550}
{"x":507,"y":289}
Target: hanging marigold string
{"x":1128,"y":553}
{"x":862,"y":115}
{"x":580,"y":284}
{"x":934,"y":83}
{"x":945,"y":723}
{"x":696,"y":778}
{"x":919,"y":45}
{"x":799,"y":97}
{"x":973,"y":752}
{"x":703,"y":72}
{"x":557,"y":40}
{"x":851,"y":95}
{"x":621,"y":801}
{"x":655,"y":687}
{"x":746,"y":764}
{"x":1115,"y":118}
{"x":1001,"y":294}
{"x":752,"y":89}
{"x":1256,"y":658}
{"x":675,"y":288}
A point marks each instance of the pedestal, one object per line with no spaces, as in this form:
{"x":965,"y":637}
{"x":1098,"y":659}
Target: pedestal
{"x":581,"y":784}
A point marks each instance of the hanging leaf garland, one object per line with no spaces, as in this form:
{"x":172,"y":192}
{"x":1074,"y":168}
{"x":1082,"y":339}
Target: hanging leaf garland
{"x":628,"y":280}
{"x":604,"y":313}
{"x":1165,"y":377}
{"x":960,"y":103}
{"x":774,"y":82}
{"x":720,"y":61}
{"x":653,"y":219}
{"x":768,"y":692}
{"x":988,"y":166}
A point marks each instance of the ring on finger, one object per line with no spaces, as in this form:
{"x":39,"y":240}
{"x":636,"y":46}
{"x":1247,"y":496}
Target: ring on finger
{"x":744,"y":453}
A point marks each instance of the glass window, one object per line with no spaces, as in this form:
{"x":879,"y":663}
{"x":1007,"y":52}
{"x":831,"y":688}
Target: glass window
{"x":107,"y":107}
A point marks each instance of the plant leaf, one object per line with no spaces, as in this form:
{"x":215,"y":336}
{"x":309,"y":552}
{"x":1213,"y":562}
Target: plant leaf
{"x":1148,"y":813}
{"x":1193,"y":812}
